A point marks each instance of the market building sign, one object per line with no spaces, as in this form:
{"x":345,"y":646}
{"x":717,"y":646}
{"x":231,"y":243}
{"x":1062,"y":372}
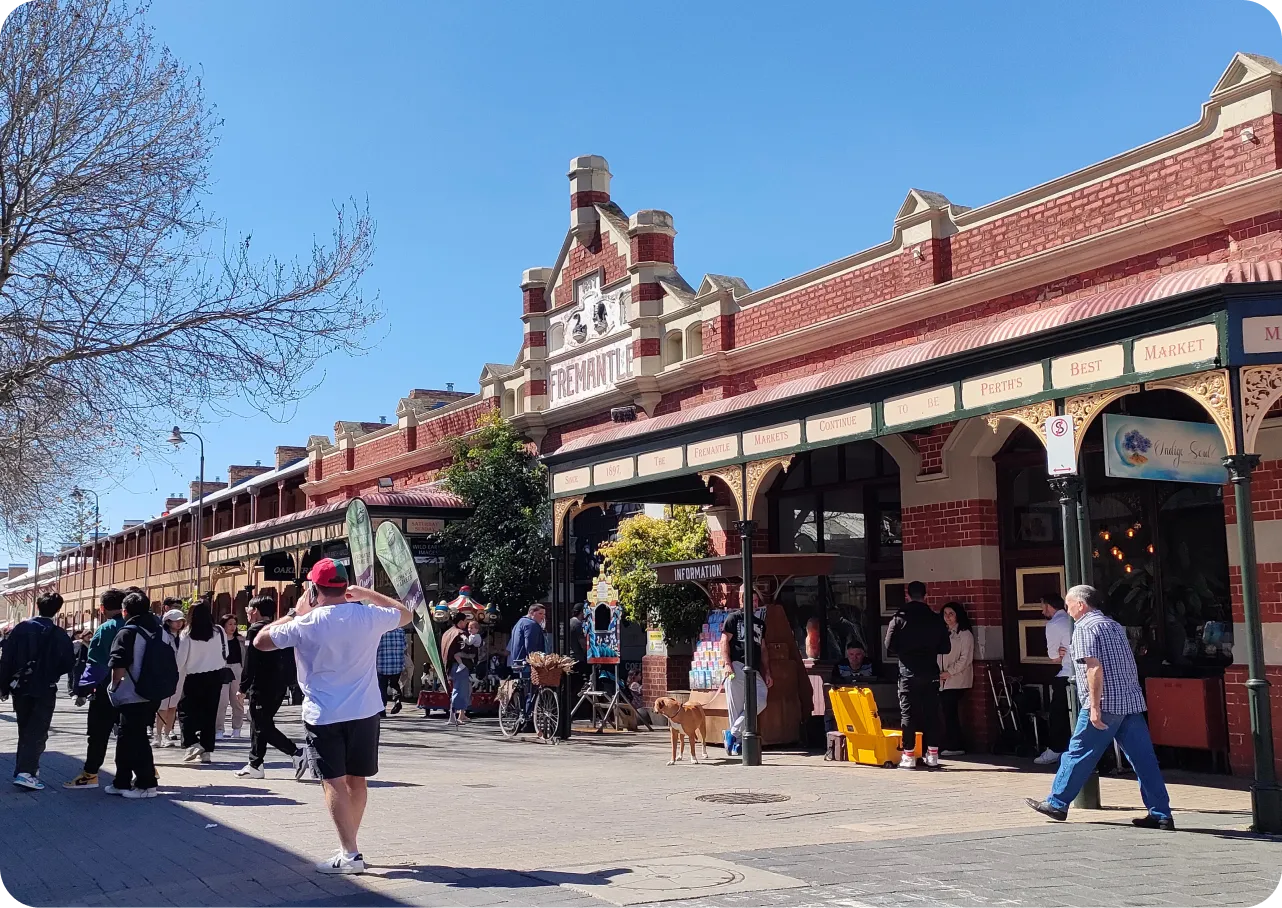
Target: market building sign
{"x":612,"y":471}
{"x":714,"y":450}
{"x":652,"y":463}
{"x":1176,"y":348}
{"x":924,"y":405}
{"x":589,"y":374}
{"x":1262,"y":335}
{"x":424,"y":526}
{"x":1136,"y":447}
{"x":993,"y":389}
{"x":571,"y":480}
{"x":1100,"y":364}
{"x":842,"y":424}
{"x":774,"y":438}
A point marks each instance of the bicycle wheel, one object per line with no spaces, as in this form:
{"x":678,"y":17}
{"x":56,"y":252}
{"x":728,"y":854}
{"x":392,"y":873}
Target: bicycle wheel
{"x":510,"y":715}
{"x":547,"y":714}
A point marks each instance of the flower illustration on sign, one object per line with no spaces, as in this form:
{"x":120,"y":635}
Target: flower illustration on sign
{"x":1135,"y":446}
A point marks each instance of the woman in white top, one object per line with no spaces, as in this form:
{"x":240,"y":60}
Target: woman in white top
{"x":167,"y":714}
{"x":956,"y":675}
{"x":231,"y":695}
{"x":202,"y":658}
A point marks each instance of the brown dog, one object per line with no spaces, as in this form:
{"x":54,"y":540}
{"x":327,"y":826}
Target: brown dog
{"x":684,"y":721}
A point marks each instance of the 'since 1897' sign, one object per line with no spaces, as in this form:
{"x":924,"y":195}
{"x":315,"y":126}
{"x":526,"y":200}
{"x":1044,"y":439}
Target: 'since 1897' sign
{"x":590,"y":373}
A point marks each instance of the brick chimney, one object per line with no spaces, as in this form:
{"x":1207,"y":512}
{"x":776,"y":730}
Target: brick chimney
{"x":173,"y":502}
{"x":237,"y":474}
{"x":651,"y":236}
{"x":589,"y":187}
{"x":210,"y":488}
{"x":287,"y":454}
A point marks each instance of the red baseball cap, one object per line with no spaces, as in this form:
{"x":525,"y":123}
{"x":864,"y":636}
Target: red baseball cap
{"x":329,"y":573}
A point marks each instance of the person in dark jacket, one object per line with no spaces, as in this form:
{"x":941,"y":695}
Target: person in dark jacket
{"x":101,"y":718}
{"x":135,"y":761}
{"x":918,"y":637}
{"x":264,"y":680}
{"x":36,"y":655}
{"x":80,"y":658}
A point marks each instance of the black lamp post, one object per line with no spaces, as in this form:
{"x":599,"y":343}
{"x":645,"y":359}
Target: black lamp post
{"x":750,"y":746}
{"x":176,"y":438}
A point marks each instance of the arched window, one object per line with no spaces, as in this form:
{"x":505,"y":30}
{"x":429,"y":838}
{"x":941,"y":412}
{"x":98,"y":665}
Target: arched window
{"x":509,"y":404}
{"x":694,"y":340}
{"x":520,"y":400}
{"x":556,"y":340}
{"x":672,"y":348}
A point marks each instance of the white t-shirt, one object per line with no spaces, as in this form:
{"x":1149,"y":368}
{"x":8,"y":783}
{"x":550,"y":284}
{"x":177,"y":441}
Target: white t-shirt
{"x":335,"y":648}
{"x":1059,"y":632}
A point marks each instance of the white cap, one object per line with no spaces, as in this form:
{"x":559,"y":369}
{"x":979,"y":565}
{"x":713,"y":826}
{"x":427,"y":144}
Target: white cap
{"x":175,"y":614}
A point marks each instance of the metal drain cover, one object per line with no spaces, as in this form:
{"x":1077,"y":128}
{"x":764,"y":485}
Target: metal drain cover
{"x":743,"y":797}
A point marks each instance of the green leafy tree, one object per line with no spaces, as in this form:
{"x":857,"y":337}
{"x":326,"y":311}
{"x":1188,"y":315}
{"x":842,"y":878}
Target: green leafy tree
{"x":679,"y":609}
{"x":503,"y":548}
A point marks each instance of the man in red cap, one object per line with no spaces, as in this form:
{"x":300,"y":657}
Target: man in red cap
{"x":335,"y":632}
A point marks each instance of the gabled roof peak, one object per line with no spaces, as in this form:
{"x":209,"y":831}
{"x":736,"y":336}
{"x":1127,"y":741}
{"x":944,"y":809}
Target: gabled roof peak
{"x":921,"y":200}
{"x":1246,"y":68}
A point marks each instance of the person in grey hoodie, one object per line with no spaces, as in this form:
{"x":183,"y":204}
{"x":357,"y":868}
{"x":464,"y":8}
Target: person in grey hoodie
{"x":135,"y":762}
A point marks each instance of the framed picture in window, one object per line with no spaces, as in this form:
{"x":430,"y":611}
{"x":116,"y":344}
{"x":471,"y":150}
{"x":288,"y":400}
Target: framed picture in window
{"x":1032,"y":583}
{"x":1032,"y":642}
{"x":893,"y":595}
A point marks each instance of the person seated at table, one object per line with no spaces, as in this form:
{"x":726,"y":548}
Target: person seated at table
{"x":852,"y":670}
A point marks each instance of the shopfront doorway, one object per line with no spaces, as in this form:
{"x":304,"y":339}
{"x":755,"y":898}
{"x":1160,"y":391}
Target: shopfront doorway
{"x":843,"y":500}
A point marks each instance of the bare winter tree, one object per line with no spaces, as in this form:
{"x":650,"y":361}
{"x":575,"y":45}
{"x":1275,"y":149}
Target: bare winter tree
{"x":121,"y":308}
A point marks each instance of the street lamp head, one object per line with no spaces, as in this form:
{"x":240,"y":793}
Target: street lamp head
{"x":77,"y":494}
{"x":176,"y":437}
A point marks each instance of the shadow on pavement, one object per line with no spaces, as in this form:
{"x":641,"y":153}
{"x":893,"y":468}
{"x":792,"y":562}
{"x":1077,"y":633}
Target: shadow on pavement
{"x":498,"y":878}
{"x":52,"y":848}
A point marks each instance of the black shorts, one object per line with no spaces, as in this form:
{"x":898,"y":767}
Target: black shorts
{"x":345,"y":748}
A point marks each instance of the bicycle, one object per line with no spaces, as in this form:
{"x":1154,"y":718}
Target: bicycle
{"x":545,"y":715}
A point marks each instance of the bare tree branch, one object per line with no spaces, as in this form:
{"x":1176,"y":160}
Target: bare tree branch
{"x":119,"y":308}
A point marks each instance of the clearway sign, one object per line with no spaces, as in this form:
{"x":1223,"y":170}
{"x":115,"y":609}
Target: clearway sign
{"x":1061,"y":452}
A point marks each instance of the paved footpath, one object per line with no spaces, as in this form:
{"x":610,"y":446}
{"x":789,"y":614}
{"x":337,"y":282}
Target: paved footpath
{"x":467,"y":818}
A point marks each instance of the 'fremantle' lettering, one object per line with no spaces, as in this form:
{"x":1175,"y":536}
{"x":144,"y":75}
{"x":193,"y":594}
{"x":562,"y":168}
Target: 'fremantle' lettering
{"x":590,"y":373}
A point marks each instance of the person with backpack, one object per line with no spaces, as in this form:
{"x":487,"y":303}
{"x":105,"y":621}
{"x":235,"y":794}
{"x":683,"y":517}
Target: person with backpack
{"x":93,"y":683}
{"x":80,"y":658}
{"x":202,"y":660}
{"x":37,"y":654}
{"x":144,"y":671}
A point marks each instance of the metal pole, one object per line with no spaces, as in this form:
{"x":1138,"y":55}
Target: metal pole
{"x":200,"y":516}
{"x":1266,"y":795}
{"x":750,"y":746}
{"x":1069,"y":489}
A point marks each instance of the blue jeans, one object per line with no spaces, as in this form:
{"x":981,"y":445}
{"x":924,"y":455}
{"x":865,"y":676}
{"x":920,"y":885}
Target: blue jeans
{"x":1089,"y":744}
{"x":461,"y":695}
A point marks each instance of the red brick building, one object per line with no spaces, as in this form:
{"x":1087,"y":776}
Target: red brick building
{"x":889,"y":407}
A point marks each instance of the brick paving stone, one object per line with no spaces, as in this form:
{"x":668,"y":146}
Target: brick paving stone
{"x":856,"y":837}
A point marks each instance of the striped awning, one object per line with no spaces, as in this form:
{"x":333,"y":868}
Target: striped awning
{"x":950,"y":342}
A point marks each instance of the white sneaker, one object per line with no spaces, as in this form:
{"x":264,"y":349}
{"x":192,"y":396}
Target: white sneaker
{"x":218,"y":735}
{"x":206,"y":757}
{"x":340,"y":863}
{"x":952,"y":753}
{"x":908,"y":761}
{"x":137,"y":794}
{"x":235,"y":733}
{"x":249,"y":771}
{"x":932,"y":760}
{"x":27,"y":780}
{"x":194,"y":754}
{"x":1047,"y":757}
{"x":113,"y":790}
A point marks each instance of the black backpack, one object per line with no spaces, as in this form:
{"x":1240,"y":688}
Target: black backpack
{"x":158,"y":676}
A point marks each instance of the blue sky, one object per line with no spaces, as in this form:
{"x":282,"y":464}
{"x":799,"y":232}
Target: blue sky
{"x":778,"y":141}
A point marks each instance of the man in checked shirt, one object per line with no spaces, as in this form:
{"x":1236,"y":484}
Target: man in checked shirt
{"x":1112,"y":708}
